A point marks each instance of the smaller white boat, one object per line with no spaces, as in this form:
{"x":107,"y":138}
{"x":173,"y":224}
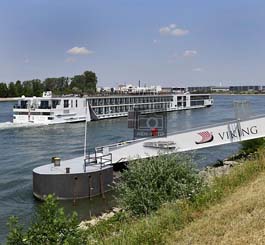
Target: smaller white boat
{"x":50,"y":110}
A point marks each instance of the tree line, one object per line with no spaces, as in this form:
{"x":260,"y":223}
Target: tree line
{"x":85,"y":83}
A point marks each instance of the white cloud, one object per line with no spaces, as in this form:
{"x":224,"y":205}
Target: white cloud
{"x":172,"y":30}
{"x":79,"y":51}
{"x":198,"y":69}
{"x":155,"y":41}
{"x":164,"y":30}
{"x":190,"y":53}
{"x":70,"y":60}
{"x":179,"y":32}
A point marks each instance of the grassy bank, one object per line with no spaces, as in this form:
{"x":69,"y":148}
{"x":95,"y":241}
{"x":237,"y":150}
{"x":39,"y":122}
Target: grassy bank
{"x":238,"y":219}
{"x":220,"y":206}
{"x":229,"y":209}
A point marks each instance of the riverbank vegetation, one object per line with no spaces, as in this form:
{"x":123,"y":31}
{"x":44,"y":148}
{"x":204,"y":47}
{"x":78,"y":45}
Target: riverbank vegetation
{"x":151,"y":182}
{"x":196,"y":212}
{"x":79,"y":84}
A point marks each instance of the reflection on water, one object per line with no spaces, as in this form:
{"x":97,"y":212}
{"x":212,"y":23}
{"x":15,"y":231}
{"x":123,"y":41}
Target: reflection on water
{"x":87,"y":208}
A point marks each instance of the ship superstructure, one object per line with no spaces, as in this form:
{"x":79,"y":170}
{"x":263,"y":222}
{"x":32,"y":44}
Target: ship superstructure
{"x":50,"y":110}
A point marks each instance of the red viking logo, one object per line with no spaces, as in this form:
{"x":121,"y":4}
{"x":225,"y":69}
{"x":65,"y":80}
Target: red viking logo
{"x":206,"y":137}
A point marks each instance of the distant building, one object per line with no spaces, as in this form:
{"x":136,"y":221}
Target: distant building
{"x":105,"y":90}
{"x":129,"y":89}
{"x":219,"y":89}
{"x":179,"y":90}
{"x":246,"y":88}
{"x":234,"y":89}
{"x":200,"y":89}
{"x":166,"y":90}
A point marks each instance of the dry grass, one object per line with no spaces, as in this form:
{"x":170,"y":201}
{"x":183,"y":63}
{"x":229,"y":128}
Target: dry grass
{"x":238,"y":219}
{"x":230,"y":211}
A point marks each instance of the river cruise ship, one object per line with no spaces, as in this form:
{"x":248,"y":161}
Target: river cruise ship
{"x":51,"y":110}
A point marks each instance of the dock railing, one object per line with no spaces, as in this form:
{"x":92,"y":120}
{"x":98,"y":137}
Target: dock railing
{"x":96,"y":158}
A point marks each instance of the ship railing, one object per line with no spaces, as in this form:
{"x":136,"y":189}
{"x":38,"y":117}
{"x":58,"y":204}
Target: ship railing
{"x":96,"y":158}
{"x":101,"y":149}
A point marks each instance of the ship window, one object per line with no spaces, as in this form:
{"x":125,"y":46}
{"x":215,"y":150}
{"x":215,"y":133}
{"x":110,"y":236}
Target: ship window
{"x":100,"y":110}
{"x":55,"y":103}
{"x":66,"y":103}
{"x":23,"y":104}
{"x":76,"y":103}
{"x":44,"y":104}
{"x":46,"y":113}
{"x":200,"y":97}
{"x":194,"y":103}
{"x":72,"y":103}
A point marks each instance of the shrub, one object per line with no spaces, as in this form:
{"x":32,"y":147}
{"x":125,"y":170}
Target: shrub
{"x":150,"y":182}
{"x":251,"y":146}
{"x":50,"y":226}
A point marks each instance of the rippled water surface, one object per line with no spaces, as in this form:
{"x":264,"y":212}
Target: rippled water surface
{"x":24,"y":148}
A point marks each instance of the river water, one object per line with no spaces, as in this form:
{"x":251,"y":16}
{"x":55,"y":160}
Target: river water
{"x":24,"y":148}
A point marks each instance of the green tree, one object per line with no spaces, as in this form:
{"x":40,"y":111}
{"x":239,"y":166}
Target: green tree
{"x":19,"y":88}
{"x":78,"y":82}
{"x":56,"y":85}
{"x":62,"y":85}
{"x":86,"y":83}
{"x":90,"y":81}
{"x":27,"y":88}
{"x":3,"y":90}
{"x":12,"y":90}
{"x":49,"y":84}
{"x":37,"y":87}
{"x":50,"y":226}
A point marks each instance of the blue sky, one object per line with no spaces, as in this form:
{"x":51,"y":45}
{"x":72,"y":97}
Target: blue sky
{"x":172,"y":43}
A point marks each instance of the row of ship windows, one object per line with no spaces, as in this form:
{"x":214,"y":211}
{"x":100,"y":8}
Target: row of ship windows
{"x":117,"y":101}
{"x":33,"y":113}
{"x":200,"y":97}
{"x":118,"y":109}
{"x":195,"y":102}
{"x":46,"y":104}
{"x":137,"y":100}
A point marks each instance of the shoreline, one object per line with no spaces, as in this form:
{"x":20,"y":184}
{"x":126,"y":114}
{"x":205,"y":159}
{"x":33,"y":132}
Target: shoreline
{"x":213,"y":94}
{"x":9,"y":99}
{"x":237,"y":94}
